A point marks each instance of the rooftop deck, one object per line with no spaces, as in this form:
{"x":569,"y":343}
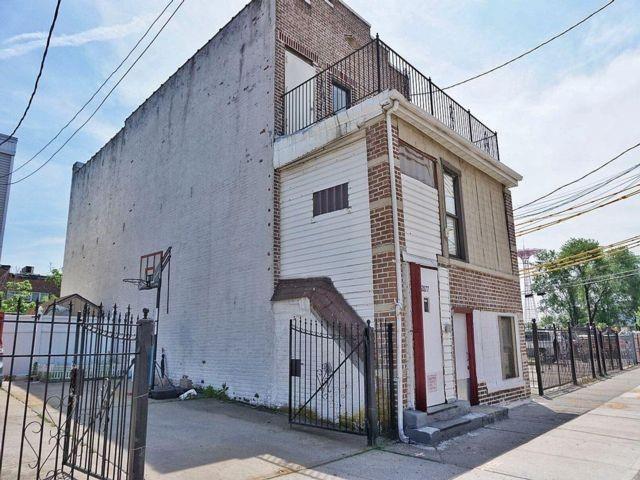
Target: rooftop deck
{"x":368,"y":71}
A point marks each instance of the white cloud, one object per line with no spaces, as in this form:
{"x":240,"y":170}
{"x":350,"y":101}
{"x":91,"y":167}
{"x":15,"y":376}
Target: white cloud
{"x":26,"y":42}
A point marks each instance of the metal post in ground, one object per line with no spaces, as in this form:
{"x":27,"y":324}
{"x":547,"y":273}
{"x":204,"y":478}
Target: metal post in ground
{"x":593,"y":367}
{"x":140,"y":398}
{"x":619,"y":349}
{"x":572,"y":356}
{"x":601,"y":342}
{"x":536,"y":355}
{"x":370,"y":388}
{"x":598,"y":356}
{"x":556,"y":352}
{"x":390,"y":364}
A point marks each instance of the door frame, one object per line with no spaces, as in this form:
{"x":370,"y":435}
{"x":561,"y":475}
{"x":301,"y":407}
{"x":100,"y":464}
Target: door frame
{"x":419,"y":364}
{"x":417,"y":320}
{"x":471,"y":350}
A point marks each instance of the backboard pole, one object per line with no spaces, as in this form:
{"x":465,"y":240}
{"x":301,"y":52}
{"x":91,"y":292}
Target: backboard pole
{"x":155,"y":336}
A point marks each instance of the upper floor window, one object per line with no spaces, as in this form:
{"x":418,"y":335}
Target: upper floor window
{"x":341,"y":98}
{"x":453,"y":214}
{"x":331,"y":199}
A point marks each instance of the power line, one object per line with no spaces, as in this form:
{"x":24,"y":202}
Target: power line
{"x":569,"y":209}
{"x":93,"y":95}
{"x":569,"y":217}
{"x":579,"y":179}
{"x":584,"y":256}
{"x":603,"y":278}
{"x":103,"y":100}
{"x":530,"y":50}
{"x":35,"y":86}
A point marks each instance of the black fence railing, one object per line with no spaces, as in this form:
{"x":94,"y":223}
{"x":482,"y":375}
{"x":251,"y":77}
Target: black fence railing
{"x":335,"y":380}
{"x":372,"y":69}
{"x":577,"y":355}
{"x":73,"y":394}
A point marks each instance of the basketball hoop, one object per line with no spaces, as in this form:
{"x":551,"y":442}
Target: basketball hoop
{"x":151,"y":267}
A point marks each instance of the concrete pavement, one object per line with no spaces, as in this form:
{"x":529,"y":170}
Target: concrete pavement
{"x":589,"y":433}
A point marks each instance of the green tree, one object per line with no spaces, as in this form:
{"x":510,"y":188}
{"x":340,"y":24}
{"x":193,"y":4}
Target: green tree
{"x":603,"y":289}
{"x":19,"y":291}
{"x":55,"y":276}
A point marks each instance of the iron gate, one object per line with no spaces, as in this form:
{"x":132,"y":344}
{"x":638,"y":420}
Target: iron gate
{"x":332,"y":377}
{"x":75,"y":393}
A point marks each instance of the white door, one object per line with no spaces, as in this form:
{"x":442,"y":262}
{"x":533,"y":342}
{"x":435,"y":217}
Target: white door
{"x":299,"y":102}
{"x":462,"y":355}
{"x":432,"y":337}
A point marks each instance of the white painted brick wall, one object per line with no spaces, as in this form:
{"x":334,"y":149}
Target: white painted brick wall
{"x":192,"y":168}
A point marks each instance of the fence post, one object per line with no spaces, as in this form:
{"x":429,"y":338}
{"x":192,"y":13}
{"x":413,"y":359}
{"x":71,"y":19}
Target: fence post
{"x":604,"y":360}
{"x":574,"y":377}
{"x":431,"y":96}
{"x":470,"y":128}
{"x":556,"y":352}
{"x":598,"y":357}
{"x":140,"y":398}
{"x":378,"y":62}
{"x":593,"y":366}
{"x":619,"y":349}
{"x":370,"y":392}
{"x":536,"y":355}
{"x":390,"y":365}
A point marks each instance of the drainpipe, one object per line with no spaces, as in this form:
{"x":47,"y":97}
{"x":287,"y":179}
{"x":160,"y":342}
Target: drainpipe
{"x":396,"y":250}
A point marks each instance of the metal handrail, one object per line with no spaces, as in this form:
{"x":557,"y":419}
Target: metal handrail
{"x":368,"y":71}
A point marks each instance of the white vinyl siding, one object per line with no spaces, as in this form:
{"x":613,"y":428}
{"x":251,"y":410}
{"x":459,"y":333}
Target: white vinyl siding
{"x":337,"y":244}
{"x":421,"y":218}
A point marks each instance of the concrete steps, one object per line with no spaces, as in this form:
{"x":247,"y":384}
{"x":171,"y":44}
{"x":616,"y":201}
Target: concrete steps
{"x":449,"y":420}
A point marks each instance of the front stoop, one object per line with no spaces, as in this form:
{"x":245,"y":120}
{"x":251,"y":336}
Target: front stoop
{"x":449,"y":420}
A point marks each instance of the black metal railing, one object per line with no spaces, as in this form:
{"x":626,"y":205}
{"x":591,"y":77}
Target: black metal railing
{"x":577,"y":355}
{"x":340,"y":377}
{"x":372,"y":69}
{"x":68,"y":393}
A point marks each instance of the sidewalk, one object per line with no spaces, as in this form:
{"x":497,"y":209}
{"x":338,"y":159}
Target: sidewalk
{"x":589,"y":433}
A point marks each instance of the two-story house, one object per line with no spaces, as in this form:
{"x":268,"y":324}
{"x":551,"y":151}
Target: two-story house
{"x":294,"y":149}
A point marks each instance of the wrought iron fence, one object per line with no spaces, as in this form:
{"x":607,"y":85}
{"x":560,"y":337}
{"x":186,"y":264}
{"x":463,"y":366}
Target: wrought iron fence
{"x":575,"y":355}
{"x":333,"y":375}
{"x":372,"y":69}
{"x":70,"y":388}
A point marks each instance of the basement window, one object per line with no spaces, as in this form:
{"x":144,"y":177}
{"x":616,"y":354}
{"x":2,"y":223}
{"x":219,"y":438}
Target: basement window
{"x":331,"y":199}
{"x":341,"y":98}
{"x":507,"y":332}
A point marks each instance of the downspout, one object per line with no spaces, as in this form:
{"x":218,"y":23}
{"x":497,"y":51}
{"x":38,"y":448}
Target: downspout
{"x":389,"y":110}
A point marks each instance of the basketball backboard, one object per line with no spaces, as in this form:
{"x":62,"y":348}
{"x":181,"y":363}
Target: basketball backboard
{"x":150,"y":270}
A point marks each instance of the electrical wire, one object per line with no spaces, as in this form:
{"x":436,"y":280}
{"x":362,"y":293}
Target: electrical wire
{"x":94,"y":93}
{"x":35,"y":86}
{"x":531,"y":50}
{"x":572,"y":216}
{"x":585,"y":255}
{"x":569,"y":209}
{"x":568,"y":198}
{"x":103,"y":100}
{"x":546,"y":195}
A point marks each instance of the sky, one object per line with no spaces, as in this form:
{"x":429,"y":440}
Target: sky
{"x":559,"y":111}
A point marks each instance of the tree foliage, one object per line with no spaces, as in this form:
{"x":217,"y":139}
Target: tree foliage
{"x":19,"y":291}
{"x":602,"y":290}
{"x":55,"y":276}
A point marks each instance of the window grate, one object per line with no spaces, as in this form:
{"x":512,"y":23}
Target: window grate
{"x":331,"y":199}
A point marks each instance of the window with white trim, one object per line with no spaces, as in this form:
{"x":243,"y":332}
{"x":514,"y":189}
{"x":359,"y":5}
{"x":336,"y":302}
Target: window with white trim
{"x":508,"y":347}
{"x":453,"y":215}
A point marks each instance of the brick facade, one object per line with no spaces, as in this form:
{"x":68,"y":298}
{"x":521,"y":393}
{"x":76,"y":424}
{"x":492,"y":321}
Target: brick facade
{"x":502,"y":396}
{"x":382,"y":241}
{"x":319,"y":31}
{"x":482,"y":291}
